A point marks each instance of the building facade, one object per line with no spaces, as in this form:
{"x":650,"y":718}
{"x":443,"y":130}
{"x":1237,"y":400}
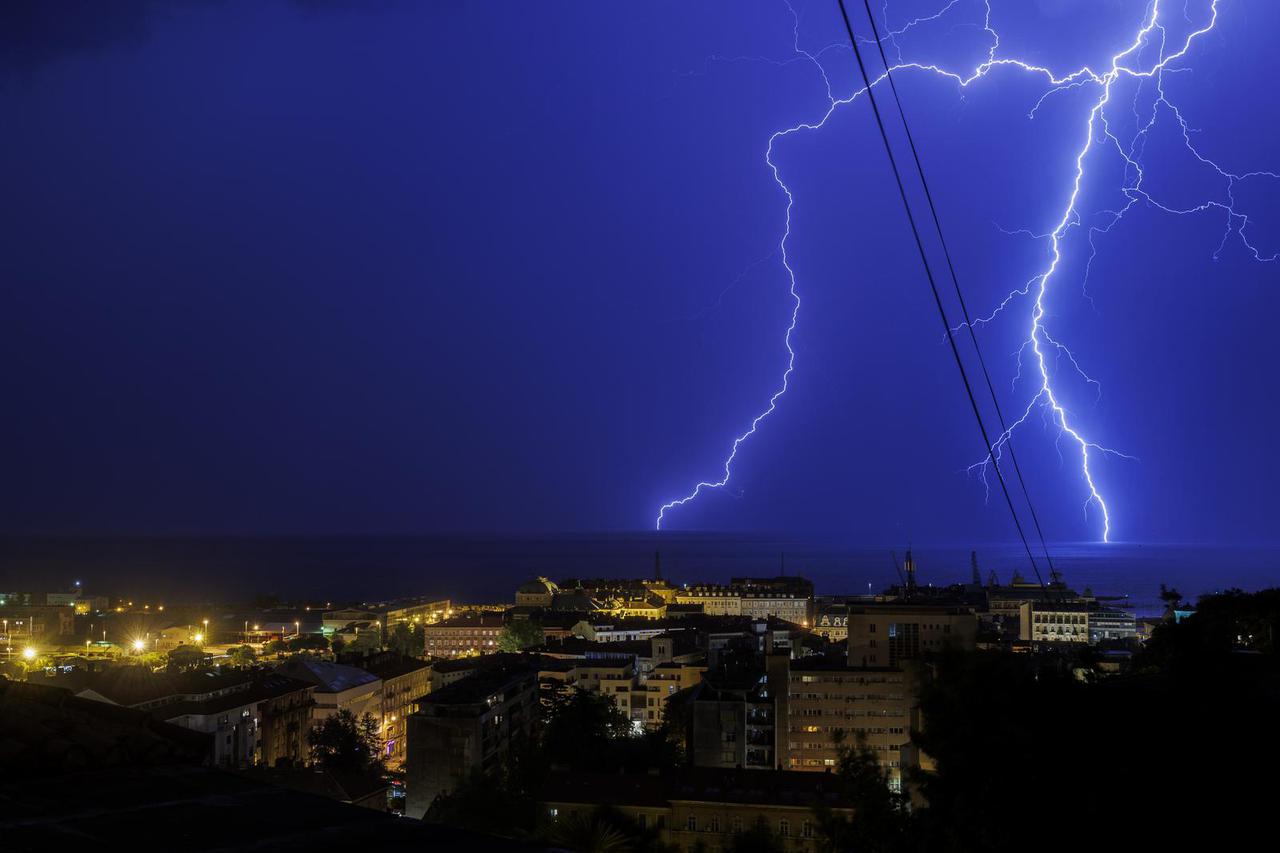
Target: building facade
{"x":826,"y":704}
{"x":466,"y":727}
{"x":1053,"y":622}
{"x":405,"y":680}
{"x":472,"y":634}
{"x":1111,"y":624}
{"x":893,"y":632}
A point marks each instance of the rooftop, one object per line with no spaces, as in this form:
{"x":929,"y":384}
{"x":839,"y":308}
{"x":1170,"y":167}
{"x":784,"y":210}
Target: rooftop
{"x":327,"y":677}
{"x":269,"y":687}
{"x":138,"y":685}
{"x":390,"y":665}
{"x":480,"y":685}
{"x":192,"y":808}
{"x":470,"y":620}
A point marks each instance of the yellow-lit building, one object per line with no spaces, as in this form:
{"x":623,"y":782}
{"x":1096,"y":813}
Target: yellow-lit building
{"x":827,"y":704}
{"x":472,"y":634}
{"x":1053,"y":622}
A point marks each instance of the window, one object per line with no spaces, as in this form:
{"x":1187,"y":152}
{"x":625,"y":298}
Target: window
{"x":715,"y":823}
{"x":872,"y":628}
{"x":643,"y":820}
{"x":784,"y":828}
{"x":735,"y":824}
{"x":691,"y":824}
{"x":806,"y":829}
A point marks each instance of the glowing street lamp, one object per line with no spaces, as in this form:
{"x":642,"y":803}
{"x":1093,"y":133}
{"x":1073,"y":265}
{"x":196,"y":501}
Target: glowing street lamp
{"x":29,"y":653}
{"x":199,"y":638}
{"x":139,"y":645}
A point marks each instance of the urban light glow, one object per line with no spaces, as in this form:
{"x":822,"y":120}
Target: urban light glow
{"x":29,"y":653}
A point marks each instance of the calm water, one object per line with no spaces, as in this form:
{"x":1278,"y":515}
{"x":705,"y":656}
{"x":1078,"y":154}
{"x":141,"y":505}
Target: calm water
{"x":488,"y":568}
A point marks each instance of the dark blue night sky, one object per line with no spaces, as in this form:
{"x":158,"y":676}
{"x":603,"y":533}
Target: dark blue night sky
{"x":410,"y":267}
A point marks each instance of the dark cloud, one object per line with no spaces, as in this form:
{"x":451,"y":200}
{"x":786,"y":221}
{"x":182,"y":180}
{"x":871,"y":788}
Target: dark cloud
{"x":34,"y":33}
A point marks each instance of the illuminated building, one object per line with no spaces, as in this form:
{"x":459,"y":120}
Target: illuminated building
{"x":1111,"y":624}
{"x":890,"y":633}
{"x":472,"y":634}
{"x":48,"y":622}
{"x":538,"y":592}
{"x":251,"y":718}
{"x":337,"y":687}
{"x":832,"y":622}
{"x":789,"y":598}
{"x":715,"y":599}
{"x":1054,"y":622}
{"x":820,"y":700}
{"x":261,"y":723}
{"x":416,"y":610}
{"x":404,"y":681}
{"x":650,"y":696}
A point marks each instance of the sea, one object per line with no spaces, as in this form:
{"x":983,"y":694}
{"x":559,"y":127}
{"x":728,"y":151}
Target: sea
{"x":485,"y":568}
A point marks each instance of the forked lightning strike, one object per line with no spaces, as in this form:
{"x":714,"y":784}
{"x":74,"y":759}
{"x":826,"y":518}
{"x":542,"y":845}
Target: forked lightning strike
{"x":1147,"y":58}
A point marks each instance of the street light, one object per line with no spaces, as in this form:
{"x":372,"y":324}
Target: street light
{"x":139,"y":645}
{"x":199,"y":638}
{"x":29,"y":653}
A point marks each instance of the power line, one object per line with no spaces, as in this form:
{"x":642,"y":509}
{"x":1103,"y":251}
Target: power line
{"x":933,"y":285}
{"x":964,"y":310}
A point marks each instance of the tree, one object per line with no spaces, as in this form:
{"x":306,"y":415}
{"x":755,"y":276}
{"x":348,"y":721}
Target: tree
{"x":368,"y":640}
{"x":882,"y":821}
{"x":185,"y":658}
{"x":518,"y":635}
{"x":243,"y":656}
{"x":1170,"y":596}
{"x":308,"y":642}
{"x":603,"y":830}
{"x":408,"y":639}
{"x":343,"y":742}
{"x":586,"y":731}
{"x":277,"y":647}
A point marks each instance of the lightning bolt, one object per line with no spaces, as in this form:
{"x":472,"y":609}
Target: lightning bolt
{"x":1130,"y":64}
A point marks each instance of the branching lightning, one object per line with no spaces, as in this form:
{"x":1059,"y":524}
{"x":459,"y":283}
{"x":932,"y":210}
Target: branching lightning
{"x":1145,"y":60}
